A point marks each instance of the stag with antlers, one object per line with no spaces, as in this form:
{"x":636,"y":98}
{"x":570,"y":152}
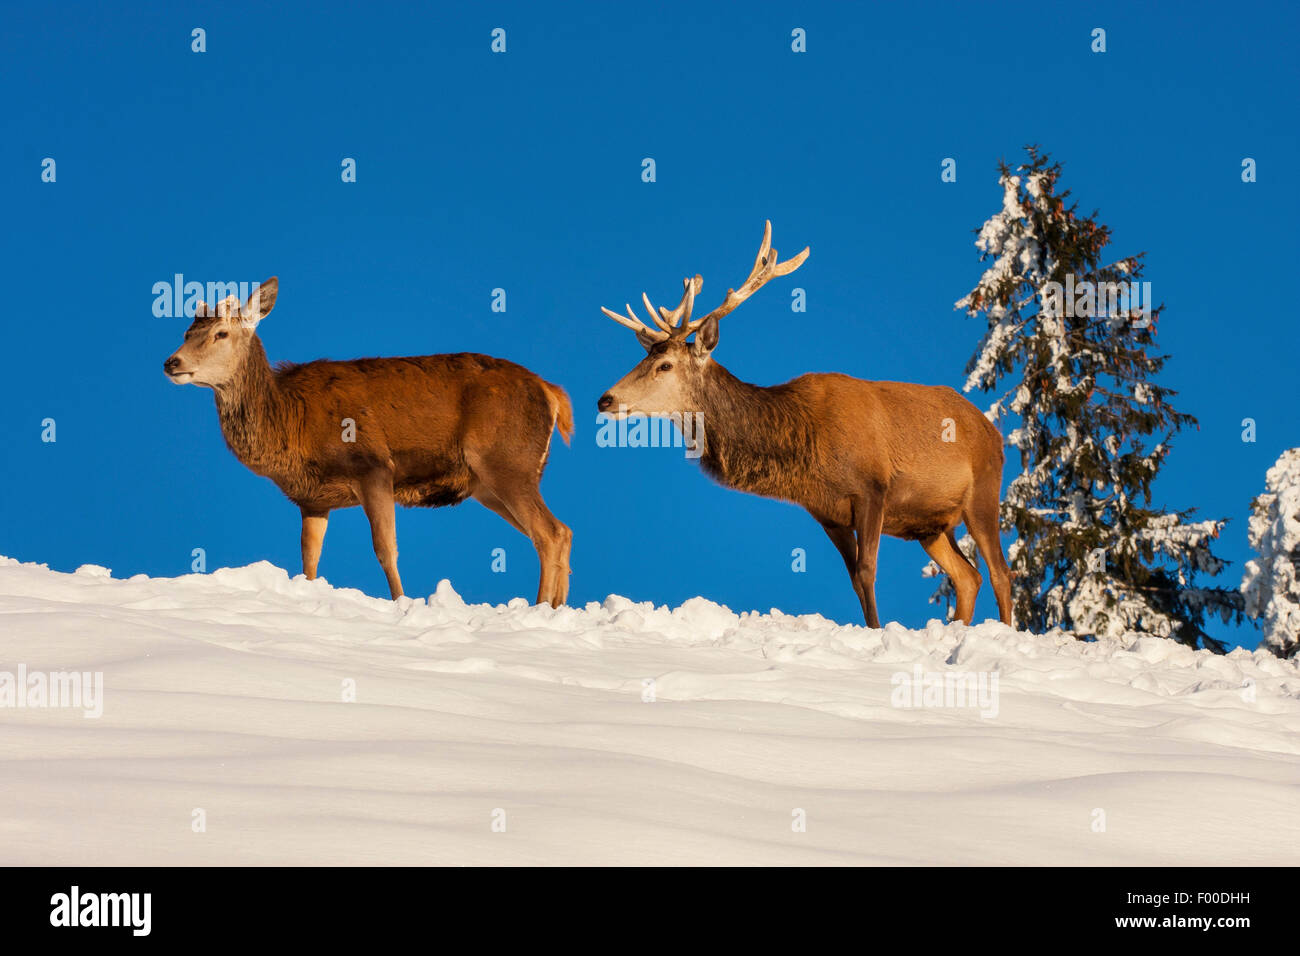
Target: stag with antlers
{"x":863,"y":458}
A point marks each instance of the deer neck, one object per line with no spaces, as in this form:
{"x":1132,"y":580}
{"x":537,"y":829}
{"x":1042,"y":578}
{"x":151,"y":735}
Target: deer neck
{"x":255,"y":415}
{"x":755,"y":438}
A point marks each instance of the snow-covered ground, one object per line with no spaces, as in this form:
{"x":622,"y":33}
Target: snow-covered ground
{"x":614,"y":734}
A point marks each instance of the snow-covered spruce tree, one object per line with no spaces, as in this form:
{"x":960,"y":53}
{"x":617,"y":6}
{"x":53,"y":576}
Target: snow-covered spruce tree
{"x":1066,"y":351}
{"x":1271,"y":584}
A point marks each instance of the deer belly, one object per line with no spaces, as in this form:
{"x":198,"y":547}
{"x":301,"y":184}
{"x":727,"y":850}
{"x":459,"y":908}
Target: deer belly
{"x":432,"y":491}
{"x":916,"y":530}
{"x":918,"y":523}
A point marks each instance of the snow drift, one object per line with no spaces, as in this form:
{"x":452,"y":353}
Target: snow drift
{"x":252,"y":718}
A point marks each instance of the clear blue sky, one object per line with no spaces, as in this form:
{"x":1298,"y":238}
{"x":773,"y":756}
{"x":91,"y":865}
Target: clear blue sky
{"x":523,"y":171}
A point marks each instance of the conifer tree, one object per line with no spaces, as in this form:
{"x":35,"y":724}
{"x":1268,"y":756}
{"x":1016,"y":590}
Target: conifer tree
{"x":1271,"y":585}
{"x":1069,"y":354}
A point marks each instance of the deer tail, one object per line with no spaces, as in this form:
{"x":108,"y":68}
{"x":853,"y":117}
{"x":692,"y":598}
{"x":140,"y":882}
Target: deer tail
{"x":561,"y":409}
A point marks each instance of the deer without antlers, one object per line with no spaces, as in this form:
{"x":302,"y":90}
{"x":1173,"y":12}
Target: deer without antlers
{"x":863,"y":458}
{"x":429,"y":430}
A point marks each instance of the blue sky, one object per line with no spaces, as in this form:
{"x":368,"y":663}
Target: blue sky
{"x":522,"y":171}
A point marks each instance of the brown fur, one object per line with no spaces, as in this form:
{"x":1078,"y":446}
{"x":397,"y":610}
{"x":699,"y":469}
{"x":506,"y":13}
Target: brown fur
{"x":430,"y":430}
{"x":864,"y":458}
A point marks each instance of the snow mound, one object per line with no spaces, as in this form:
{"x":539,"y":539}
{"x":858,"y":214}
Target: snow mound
{"x":251,"y":717}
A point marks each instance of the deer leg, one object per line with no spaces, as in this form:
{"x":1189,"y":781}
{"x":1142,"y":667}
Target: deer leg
{"x":490,"y":501}
{"x":560,"y":585}
{"x":376,"y":492}
{"x":552,"y":539}
{"x":845,"y":543}
{"x":868,"y":518}
{"x":493,"y":503}
{"x":982,"y":523}
{"x":313,"y":538}
{"x":942,"y":549}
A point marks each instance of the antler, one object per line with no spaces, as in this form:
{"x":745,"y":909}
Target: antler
{"x":680,"y":317}
{"x":636,"y":325}
{"x":679,"y":324}
{"x":766,"y":267}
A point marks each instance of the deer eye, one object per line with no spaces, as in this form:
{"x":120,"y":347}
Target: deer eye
{"x":221,"y":335}
{"x":666,"y":366}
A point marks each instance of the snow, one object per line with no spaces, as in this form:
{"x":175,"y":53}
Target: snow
{"x":618,"y":733}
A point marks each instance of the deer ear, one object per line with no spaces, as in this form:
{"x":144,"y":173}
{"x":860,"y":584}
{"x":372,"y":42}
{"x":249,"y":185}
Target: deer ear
{"x":706,"y":337}
{"x":259,"y":304}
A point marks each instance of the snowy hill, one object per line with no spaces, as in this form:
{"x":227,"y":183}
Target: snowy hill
{"x":616,"y":734}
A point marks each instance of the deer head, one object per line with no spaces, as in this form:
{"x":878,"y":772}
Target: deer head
{"x":218,"y":340}
{"x":671,"y":375}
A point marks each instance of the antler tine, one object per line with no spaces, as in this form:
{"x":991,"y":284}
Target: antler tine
{"x":680,"y":317}
{"x":657,"y":334}
{"x":760,"y":260}
{"x":688,"y":301}
{"x":785,"y":268}
{"x":630,"y":321}
{"x":765,"y":267}
{"x":654,"y":314}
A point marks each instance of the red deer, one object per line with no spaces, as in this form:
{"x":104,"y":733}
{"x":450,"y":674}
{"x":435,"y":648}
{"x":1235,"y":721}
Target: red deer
{"x":428,"y":430}
{"x":863,"y":458}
